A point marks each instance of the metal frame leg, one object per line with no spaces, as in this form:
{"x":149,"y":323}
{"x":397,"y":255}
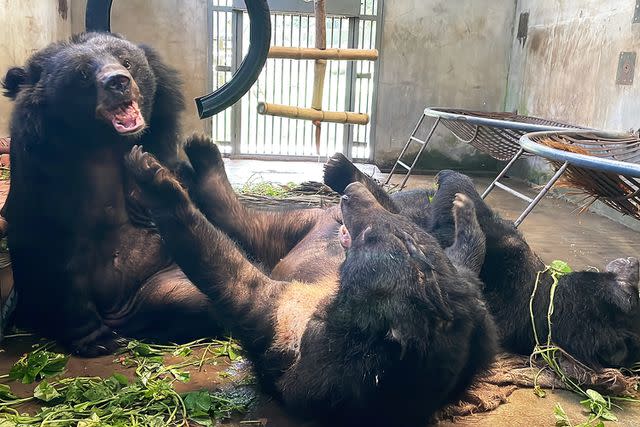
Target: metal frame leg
{"x":541,"y":194}
{"x":502,"y":173}
{"x":404,"y":149}
{"x":415,"y":160}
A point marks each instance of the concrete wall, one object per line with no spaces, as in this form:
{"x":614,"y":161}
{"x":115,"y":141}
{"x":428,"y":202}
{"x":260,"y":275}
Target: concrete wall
{"x":440,"y":53}
{"x":566,"y":68}
{"x":25,"y":27}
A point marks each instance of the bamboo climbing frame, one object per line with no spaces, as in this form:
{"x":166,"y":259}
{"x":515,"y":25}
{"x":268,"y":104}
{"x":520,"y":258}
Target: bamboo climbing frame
{"x":312,"y":114}
{"x":321,"y":55}
{"x":301,"y":53}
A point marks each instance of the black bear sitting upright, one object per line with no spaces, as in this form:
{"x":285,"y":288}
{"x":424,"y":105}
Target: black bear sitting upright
{"x":386,"y":339}
{"x":597,"y":315}
{"x":88,"y":263}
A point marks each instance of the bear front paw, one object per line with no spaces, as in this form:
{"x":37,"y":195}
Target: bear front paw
{"x":142,"y":165}
{"x":160,"y":186}
{"x":339,"y":172}
{"x":203,"y":154}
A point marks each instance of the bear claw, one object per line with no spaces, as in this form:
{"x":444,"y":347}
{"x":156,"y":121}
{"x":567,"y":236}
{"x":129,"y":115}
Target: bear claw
{"x":463,"y":208}
{"x":160,"y":185}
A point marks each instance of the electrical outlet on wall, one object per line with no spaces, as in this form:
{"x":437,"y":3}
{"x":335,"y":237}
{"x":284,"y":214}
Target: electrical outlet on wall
{"x":626,"y":68}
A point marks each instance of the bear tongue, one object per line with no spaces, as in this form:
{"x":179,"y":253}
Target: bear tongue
{"x":128,"y":119}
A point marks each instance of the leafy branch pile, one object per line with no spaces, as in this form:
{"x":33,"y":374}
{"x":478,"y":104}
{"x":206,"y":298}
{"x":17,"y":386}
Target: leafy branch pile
{"x":266,"y":188}
{"x":150,"y":399}
{"x":599,"y":407}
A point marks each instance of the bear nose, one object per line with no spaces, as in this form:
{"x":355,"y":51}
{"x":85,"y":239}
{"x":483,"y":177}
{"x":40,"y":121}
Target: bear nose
{"x":118,"y":83}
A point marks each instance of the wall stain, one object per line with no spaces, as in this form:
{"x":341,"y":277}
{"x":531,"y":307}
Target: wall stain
{"x":63,"y":9}
{"x":538,"y":38}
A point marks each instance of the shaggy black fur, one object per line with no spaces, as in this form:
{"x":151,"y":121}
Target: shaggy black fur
{"x":88,"y":263}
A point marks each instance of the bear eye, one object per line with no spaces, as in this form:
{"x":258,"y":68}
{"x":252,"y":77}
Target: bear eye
{"x":126,"y":64}
{"x":84,"y":74}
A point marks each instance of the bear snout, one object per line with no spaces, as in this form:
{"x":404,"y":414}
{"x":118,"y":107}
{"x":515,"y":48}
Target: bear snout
{"x":118,"y":83}
{"x":115,"y":79}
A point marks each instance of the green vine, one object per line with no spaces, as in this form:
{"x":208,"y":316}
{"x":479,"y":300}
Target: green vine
{"x":599,"y":406}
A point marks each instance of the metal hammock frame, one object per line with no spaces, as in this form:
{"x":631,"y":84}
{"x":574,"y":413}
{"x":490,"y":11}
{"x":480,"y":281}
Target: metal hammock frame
{"x":603,"y":165}
{"x":494,"y":133}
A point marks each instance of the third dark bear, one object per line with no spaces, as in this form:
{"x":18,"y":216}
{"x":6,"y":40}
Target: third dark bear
{"x":596,"y":317}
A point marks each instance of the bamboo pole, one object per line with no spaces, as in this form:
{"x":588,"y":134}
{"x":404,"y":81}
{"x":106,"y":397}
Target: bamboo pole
{"x":317,"y":116}
{"x":282,"y":52}
{"x":320,"y":65}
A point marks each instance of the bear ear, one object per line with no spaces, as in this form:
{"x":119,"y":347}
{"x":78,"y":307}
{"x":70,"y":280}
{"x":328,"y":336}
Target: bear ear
{"x":15,"y":78}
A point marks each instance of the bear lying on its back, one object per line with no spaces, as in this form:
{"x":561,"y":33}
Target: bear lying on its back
{"x":394,"y":334}
{"x":88,"y":264}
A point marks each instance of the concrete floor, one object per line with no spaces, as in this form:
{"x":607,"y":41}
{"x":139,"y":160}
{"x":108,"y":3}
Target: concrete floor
{"x":554,"y":230}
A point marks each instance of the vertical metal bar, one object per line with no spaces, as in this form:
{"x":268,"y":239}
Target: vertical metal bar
{"x":306,"y":73}
{"x":276,"y":131}
{"x":266,"y":91}
{"x":290,"y":122}
{"x":369,"y":83}
{"x":220,"y":118}
{"x":280,"y":100}
{"x":236,"y":111}
{"x":297,"y":91}
{"x":327,"y":88}
{"x":379,"y":12}
{"x":541,"y":194}
{"x":350,"y":86}
{"x":208,"y":126}
{"x":360,"y":68}
{"x":227,"y":113}
{"x":502,"y":173}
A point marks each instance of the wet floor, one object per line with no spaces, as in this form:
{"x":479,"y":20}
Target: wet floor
{"x":555,"y":230}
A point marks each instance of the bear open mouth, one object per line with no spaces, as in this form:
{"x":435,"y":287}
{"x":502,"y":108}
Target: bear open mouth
{"x":345,"y":237}
{"x":126,"y":118}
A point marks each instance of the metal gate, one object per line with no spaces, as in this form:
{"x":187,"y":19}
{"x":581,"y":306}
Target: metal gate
{"x":349,"y":85}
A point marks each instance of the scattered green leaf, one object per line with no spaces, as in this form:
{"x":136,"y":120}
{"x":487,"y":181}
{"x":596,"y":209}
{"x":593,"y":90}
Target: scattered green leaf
{"x":45,"y":392}
{"x":149,"y":400}
{"x":562,"y":420}
{"x":37,"y":365}
{"x":6,"y":394}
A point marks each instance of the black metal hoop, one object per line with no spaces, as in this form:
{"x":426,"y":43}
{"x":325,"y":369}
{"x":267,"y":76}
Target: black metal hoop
{"x":98,"y":15}
{"x":98,"y":18}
